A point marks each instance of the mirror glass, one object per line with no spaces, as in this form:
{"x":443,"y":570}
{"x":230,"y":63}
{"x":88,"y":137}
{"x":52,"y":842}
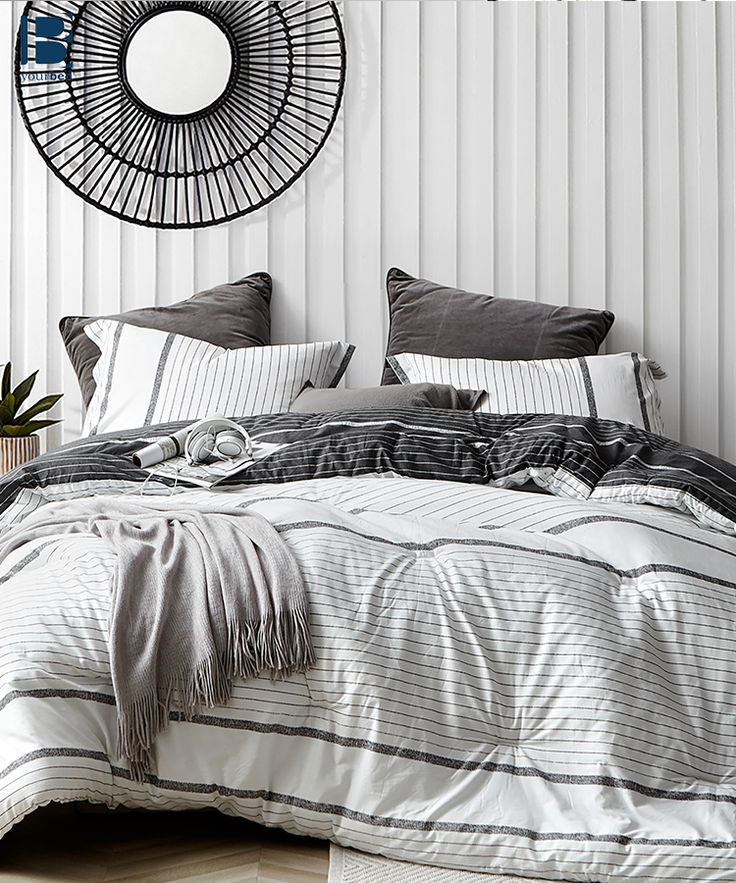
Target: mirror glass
{"x":178,"y":62}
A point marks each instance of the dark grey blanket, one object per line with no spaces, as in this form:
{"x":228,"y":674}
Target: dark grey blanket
{"x":590,"y":458}
{"x":199,"y":597}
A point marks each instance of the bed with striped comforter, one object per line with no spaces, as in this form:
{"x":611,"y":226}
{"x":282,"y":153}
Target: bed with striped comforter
{"x":542,"y":684}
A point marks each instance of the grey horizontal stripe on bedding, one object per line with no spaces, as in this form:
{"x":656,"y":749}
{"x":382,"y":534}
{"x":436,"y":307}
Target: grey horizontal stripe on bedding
{"x":565,"y":556}
{"x":384,"y":748}
{"x":562,"y":527}
{"x":367,"y":818}
{"x":225,"y":722}
{"x":407,"y":705}
{"x":619,"y":519}
{"x":550,"y":778}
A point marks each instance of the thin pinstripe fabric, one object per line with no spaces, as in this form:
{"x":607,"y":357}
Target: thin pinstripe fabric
{"x":146,"y":376}
{"x":616,"y":387}
{"x":511,"y":682}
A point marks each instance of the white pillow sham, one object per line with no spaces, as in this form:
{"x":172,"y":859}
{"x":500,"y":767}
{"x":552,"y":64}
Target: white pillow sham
{"x":145,"y":376}
{"x":617,"y":387}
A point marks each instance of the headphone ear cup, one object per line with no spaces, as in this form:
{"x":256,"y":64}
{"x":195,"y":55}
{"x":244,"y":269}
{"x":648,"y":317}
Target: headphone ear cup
{"x":199,"y":448}
{"x":229,"y":444}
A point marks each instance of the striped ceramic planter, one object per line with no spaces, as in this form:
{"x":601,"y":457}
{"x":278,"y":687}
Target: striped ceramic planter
{"x":16,"y":451}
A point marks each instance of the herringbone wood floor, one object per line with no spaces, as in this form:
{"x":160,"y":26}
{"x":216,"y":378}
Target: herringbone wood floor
{"x":69,"y":844}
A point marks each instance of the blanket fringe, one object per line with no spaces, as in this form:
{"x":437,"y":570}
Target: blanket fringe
{"x":280,"y":645}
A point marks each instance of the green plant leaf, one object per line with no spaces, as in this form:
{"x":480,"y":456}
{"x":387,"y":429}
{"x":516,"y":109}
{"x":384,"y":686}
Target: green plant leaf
{"x":42,"y":405}
{"x":27,"y":428}
{"x":7,"y":408}
{"x":6,"y":379}
{"x":23,"y":389}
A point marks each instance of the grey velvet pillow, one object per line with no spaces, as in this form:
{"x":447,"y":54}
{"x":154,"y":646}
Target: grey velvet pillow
{"x":233,"y":315}
{"x":411,"y":395}
{"x":437,"y":320}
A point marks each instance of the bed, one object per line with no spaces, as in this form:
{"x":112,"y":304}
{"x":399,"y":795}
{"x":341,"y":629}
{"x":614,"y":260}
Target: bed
{"x":524,"y":632}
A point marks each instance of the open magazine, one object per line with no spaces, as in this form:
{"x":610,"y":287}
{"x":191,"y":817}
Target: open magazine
{"x":164,"y":457}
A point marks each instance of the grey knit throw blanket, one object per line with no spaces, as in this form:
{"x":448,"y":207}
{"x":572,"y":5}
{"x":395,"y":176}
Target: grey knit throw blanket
{"x":199,"y":597}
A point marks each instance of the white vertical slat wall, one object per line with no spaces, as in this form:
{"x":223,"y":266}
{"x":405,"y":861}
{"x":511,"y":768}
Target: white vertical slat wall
{"x":580,"y":153}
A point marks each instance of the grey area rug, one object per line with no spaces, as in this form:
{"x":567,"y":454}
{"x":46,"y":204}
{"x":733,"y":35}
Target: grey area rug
{"x":350,"y":866}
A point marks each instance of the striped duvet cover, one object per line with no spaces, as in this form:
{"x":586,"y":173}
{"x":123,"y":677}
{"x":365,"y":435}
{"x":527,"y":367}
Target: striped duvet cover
{"x":507,"y":681}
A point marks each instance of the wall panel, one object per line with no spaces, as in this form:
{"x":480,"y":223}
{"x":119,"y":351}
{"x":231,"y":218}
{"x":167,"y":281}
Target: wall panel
{"x":624,"y":175}
{"x":574,"y":153}
{"x":438,"y":133}
{"x":363,"y":262}
{"x":699,"y":199}
{"x":586,"y":123}
{"x":552,"y":191}
{"x":662,"y":288}
{"x":399,"y":108}
{"x":726,"y":73}
{"x":474,"y":159}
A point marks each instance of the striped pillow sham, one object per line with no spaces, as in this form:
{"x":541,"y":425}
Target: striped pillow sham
{"x":145,"y":376}
{"x":616,"y":387}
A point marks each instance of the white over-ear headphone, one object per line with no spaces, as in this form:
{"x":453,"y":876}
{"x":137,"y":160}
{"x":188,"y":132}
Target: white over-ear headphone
{"x":216,"y":438}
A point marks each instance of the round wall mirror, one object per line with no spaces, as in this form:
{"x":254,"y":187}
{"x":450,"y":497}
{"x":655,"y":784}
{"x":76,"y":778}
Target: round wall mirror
{"x":177,"y":62}
{"x":179,"y":113}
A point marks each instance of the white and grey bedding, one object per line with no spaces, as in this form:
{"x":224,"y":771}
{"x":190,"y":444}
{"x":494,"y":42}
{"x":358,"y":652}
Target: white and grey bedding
{"x":199,"y":597}
{"x":506,"y":681}
{"x":233,"y":315}
{"x":147,"y":376}
{"x":621,"y":387}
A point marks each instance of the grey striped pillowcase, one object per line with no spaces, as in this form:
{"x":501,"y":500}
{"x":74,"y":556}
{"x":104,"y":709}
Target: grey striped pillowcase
{"x":615,"y":387}
{"x":145,"y":376}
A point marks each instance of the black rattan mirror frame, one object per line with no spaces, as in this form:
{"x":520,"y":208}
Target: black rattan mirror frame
{"x":224,"y":161}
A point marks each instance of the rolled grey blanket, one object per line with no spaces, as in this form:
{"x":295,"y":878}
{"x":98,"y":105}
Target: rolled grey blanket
{"x":200,"y":596}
